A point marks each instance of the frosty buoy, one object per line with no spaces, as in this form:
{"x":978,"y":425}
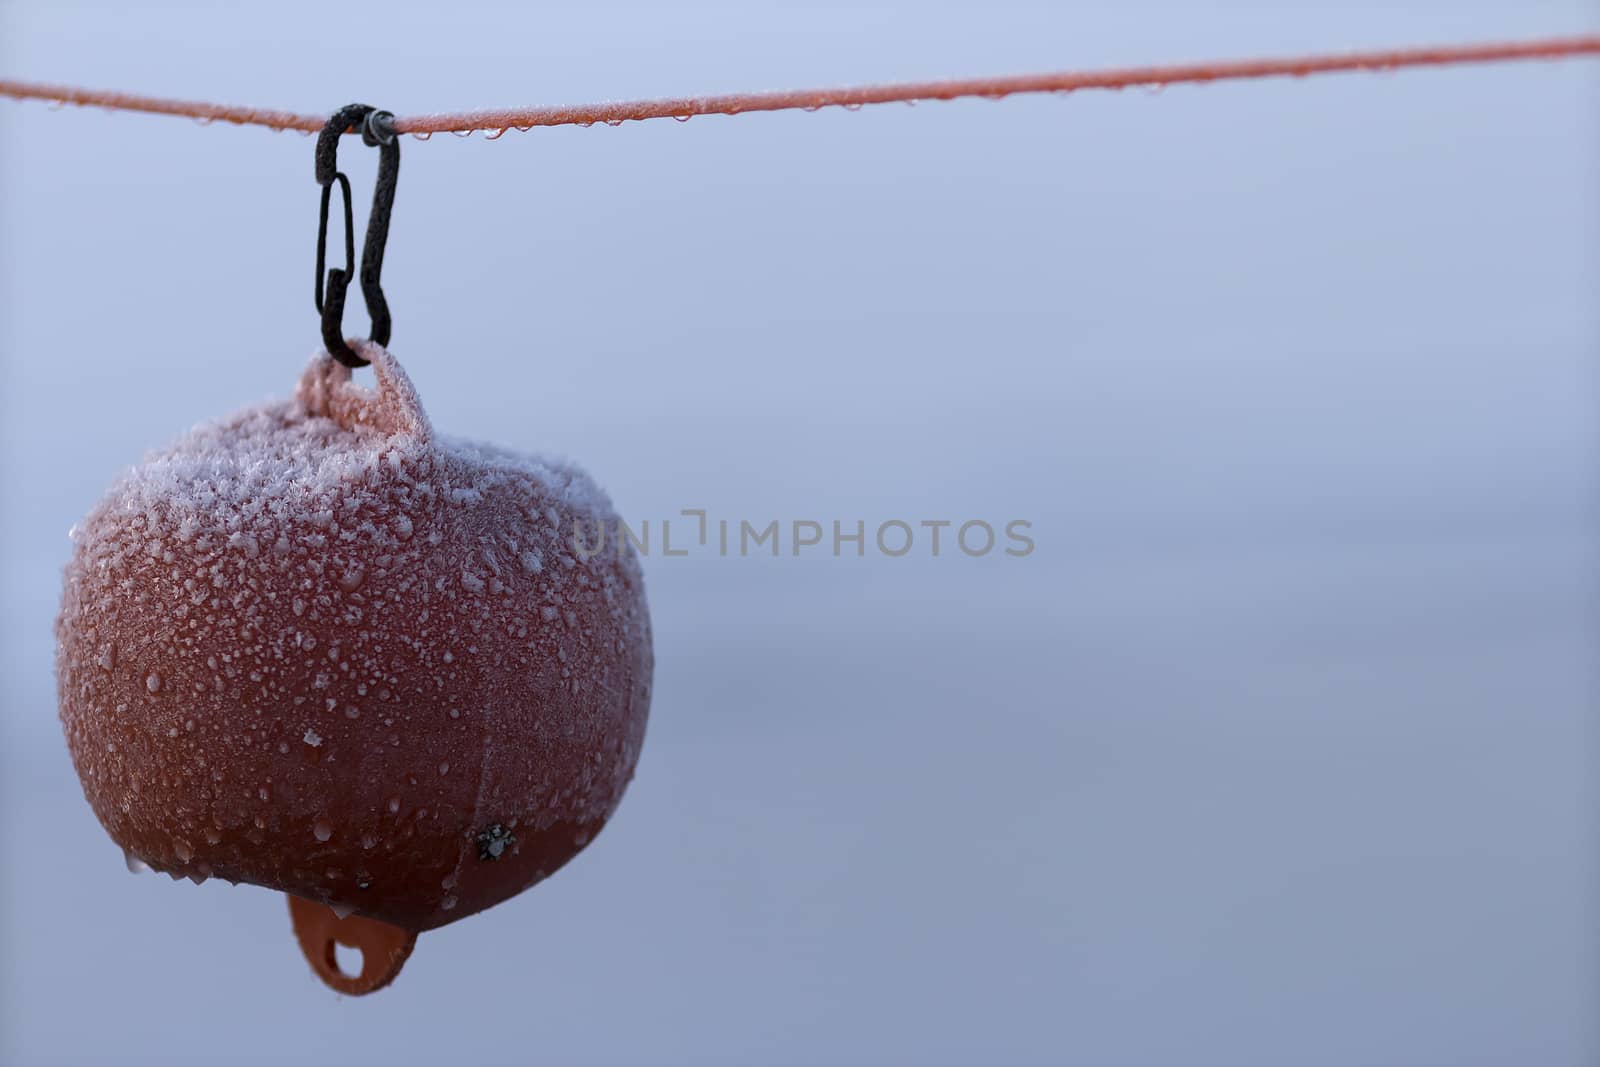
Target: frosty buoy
{"x":319,"y":648}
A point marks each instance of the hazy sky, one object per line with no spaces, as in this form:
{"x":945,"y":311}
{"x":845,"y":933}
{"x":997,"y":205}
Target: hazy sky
{"x":1279,"y":749}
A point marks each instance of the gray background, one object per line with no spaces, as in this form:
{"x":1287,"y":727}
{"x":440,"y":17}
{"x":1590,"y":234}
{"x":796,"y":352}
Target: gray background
{"x":1279,"y":750}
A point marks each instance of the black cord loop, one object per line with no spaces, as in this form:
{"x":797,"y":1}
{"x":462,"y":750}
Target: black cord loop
{"x":377,"y":131}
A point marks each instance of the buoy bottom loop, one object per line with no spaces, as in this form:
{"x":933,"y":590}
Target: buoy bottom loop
{"x":384,"y":948}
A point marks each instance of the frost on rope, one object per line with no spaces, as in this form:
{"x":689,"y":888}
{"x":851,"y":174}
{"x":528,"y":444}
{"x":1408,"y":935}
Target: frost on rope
{"x":316,"y":645}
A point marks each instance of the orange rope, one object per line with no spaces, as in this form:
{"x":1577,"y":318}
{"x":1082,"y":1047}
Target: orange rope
{"x":503,"y":119}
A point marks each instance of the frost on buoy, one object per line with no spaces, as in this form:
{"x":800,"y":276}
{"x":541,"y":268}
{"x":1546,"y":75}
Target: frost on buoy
{"x":319,"y":648}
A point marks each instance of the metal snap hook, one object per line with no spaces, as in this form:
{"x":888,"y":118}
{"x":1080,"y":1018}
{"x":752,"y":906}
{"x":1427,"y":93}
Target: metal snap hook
{"x":377,"y":130}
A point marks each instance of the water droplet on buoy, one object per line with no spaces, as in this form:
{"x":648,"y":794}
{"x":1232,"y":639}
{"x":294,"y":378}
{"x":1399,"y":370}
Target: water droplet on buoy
{"x":135,"y":864}
{"x":322,"y":829}
{"x":153,"y":683}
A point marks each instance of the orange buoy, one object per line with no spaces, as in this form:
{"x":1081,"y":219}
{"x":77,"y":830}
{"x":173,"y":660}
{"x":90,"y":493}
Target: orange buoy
{"x":319,"y":648}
